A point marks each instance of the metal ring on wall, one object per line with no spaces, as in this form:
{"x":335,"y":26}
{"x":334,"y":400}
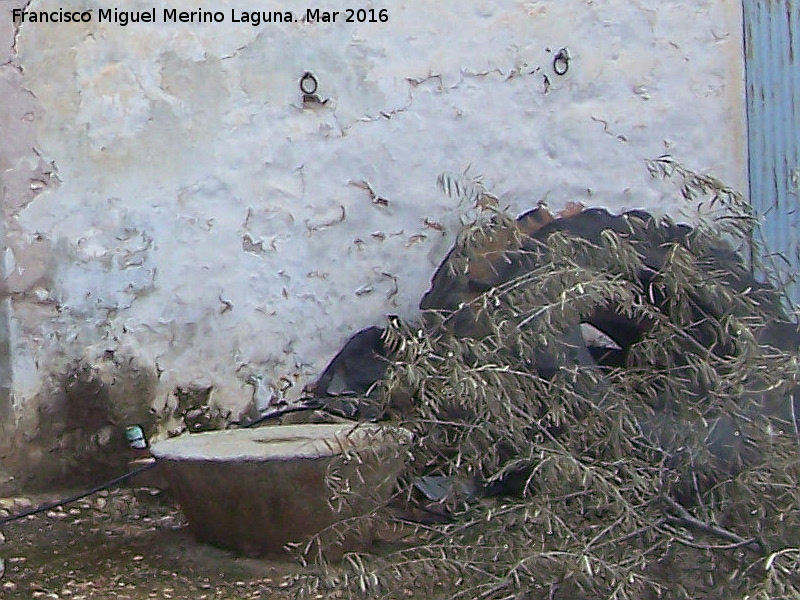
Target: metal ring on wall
{"x":561,"y":62}
{"x":308,"y":83}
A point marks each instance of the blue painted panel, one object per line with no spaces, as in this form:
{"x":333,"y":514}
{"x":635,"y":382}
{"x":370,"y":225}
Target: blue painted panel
{"x":772,"y":64}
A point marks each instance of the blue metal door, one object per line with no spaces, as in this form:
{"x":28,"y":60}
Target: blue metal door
{"x":772,"y":50}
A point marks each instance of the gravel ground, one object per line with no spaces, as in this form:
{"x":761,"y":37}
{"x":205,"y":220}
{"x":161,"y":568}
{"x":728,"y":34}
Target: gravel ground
{"x":129,"y":544}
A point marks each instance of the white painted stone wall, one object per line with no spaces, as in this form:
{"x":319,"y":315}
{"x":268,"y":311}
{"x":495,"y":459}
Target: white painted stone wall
{"x":167,"y":196}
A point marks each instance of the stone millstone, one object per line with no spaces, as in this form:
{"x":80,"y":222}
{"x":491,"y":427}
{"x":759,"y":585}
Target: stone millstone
{"x":255,"y":490}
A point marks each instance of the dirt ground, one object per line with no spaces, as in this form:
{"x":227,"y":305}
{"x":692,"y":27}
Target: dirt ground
{"x":129,"y":544}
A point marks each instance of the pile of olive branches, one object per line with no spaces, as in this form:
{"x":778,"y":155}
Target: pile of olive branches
{"x":674,"y":475}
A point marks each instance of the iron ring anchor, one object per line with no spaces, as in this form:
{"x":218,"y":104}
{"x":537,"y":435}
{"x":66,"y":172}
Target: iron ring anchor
{"x":308,"y":83}
{"x":561,"y":62}
{"x":308,"y":86}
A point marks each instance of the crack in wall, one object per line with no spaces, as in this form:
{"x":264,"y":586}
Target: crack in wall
{"x":521,"y":70}
{"x":607,"y":129}
{"x":17,"y":29}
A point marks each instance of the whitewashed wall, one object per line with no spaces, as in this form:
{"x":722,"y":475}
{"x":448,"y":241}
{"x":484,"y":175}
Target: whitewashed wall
{"x":168,"y":197}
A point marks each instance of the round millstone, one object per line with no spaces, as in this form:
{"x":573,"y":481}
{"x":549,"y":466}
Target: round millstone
{"x":255,"y":490}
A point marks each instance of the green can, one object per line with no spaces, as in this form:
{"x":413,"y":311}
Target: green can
{"x":135,"y":437}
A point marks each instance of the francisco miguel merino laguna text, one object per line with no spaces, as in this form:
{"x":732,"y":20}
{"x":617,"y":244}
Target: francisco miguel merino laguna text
{"x":172,"y":15}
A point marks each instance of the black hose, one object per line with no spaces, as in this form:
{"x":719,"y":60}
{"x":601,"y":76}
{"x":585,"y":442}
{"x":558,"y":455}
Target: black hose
{"x":78,"y":496}
{"x":121,"y":478}
{"x":109,"y":484}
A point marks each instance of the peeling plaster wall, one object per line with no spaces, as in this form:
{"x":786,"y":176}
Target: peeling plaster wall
{"x":168,"y":197}
{"x":19,"y":181}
